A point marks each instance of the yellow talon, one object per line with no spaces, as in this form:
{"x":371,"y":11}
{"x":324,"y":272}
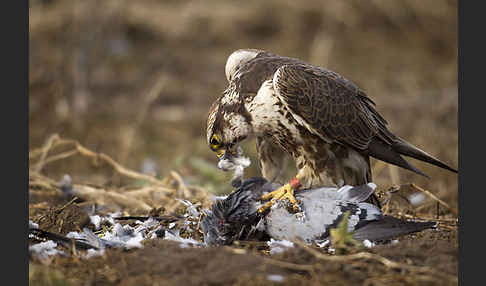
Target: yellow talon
{"x":284,"y":192}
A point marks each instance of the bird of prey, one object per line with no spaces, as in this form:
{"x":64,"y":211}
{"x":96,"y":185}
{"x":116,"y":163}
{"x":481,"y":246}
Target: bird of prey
{"x":237,"y":218}
{"x":328,"y":125}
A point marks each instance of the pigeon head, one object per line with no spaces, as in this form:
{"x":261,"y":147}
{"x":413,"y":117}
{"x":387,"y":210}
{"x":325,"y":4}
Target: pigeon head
{"x":231,"y":219}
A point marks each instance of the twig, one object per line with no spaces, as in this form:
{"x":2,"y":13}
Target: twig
{"x":44,"y":150}
{"x":389,"y":194}
{"x":151,"y":193}
{"x":40,"y":184}
{"x":181,"y":184}
{"x":37,"y":177}
{"x":36,"y":152}
{"x":60,"y":156}
{"x":429,"y":218}
{"x":119,"y":168}
{"x":55,"y":141}
{"x":425,"y":205}
{"x":59,"y":210}
{"x":104,"y":197}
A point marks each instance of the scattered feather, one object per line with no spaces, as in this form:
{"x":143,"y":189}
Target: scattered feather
{"x":368,"y":244}
{"x":45,"y":249}
{"x":93,"y":253}
{"x":185,"y":242}
{"x":275,"y":278}
{"x":322,"y":243}
{"x":279,"y":246}
{"x":33,"y":225}
{"x":416,"y":199}
{"x":96,"y":221}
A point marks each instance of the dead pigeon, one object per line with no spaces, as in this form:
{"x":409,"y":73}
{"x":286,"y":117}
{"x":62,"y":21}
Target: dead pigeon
{"x":236,"y":217}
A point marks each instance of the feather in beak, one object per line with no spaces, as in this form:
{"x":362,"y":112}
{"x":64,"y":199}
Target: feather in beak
{"x":233,"y":160}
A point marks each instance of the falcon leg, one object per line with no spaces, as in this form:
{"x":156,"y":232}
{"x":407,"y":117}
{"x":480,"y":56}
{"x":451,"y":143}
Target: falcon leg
{"x":282,"y":193}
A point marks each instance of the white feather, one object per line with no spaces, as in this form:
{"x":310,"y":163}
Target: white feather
{"x":236,"y":59}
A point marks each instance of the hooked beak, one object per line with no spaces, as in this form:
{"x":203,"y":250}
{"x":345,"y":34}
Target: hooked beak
{"x":220,"y":153}
{"x":225,"y":153}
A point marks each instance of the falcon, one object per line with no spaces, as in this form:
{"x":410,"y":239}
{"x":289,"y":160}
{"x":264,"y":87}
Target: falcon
{"x":323,"y":121}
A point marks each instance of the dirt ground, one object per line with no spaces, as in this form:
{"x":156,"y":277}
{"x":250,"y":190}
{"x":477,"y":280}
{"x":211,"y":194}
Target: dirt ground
{"x":119,"y":91}
{"x":433,"y":253}
{"x":161,"y":262}
{"x":165,"y":263}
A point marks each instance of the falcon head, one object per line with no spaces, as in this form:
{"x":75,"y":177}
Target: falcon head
{"x":228,"y":122}
{"x":225,"y":130}
{"x":237,"y":59}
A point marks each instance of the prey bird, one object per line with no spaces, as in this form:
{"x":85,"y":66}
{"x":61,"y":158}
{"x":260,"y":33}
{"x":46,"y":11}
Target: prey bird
{"x":328,"y":125}
{"x":237,"y":218}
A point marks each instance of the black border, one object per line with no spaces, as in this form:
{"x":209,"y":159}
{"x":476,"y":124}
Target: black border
{"x":14,"y":25}
{"x":460,"y":203}
{"x":15,"y":47}
{"x":471,"y":119}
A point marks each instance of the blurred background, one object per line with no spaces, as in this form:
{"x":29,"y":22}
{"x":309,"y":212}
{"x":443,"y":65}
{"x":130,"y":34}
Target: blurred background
{"x":135,"y":79}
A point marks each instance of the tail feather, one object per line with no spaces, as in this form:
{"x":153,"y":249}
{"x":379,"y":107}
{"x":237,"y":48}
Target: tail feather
{"x":386,"y":153}
{"x":408,"y":149}
{"x":390,"y":227}
{"x":391,"y":154}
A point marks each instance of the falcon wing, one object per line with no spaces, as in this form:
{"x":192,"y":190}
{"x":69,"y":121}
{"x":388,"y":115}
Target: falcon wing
{"x":331,"y":106}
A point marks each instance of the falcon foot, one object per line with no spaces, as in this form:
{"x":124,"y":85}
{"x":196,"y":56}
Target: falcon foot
{"x":283,"y":193}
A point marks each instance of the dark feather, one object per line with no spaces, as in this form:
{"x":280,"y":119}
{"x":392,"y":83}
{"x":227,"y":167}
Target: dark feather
{"x":386,"y":153}
{"x":389,"y":227}
{"x":350,"y":118}
{"x":407,"y":149}
{"x":357,"y":194}
{"x":234,"y":217}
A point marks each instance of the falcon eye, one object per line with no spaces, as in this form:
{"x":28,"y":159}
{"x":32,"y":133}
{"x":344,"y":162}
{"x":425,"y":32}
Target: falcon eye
{"x":215,"y":142}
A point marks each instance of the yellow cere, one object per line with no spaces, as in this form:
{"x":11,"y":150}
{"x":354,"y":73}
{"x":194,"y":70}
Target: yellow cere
{"x":220,"y":152}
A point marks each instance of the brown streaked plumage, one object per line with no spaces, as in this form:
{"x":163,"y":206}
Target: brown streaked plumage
{"x":328,"y":125}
